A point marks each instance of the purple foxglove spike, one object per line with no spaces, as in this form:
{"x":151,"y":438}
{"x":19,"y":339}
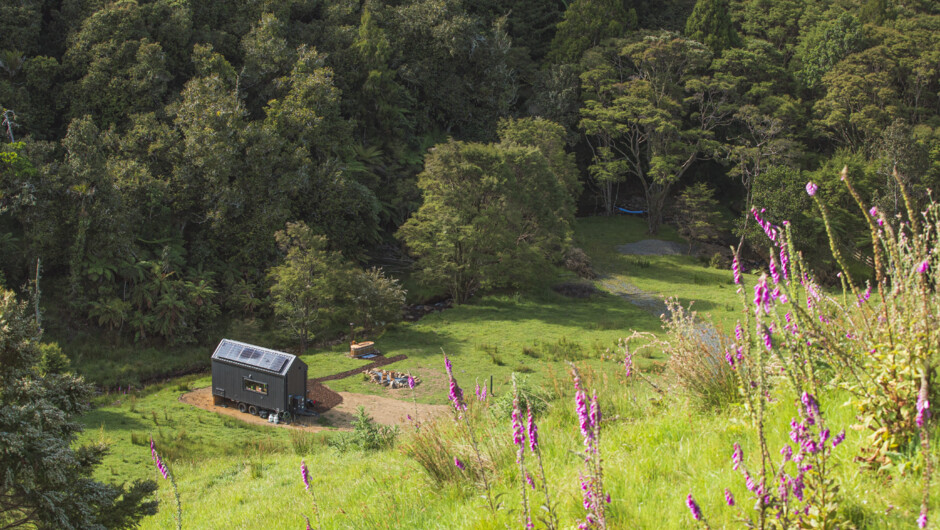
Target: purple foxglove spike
{"x":729,"y":498}
{"x":693,"y":507}
{"x":458,"y":463}
{"x":533,"y":432}
{"x":736,"y":457}
{"x":304,"y":476}
{"x":838,"y":438}
{"x":811,"y":188}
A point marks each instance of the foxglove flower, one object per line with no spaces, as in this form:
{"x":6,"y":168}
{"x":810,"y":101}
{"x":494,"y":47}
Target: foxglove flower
{"x":922,"y":268}
{"x":533,"y":432}
{"x":837,"y":439}
{"x":411,"y":382}
{"x":595,"y":413}
{"x":774,"y":273}
{"x":736,"y":457}
{"x":518,"y":438}
{"x":458,"y":463}
{"x":736,"y":269}
{"x":784,"y":263}
{"x":762,"y":298}
{"x":738,"y":331}
{"x":304,"y":476}
{"x":693,"y":507}
{"x":811,"y":188}
{"x":729,"y":498}
{"x":923,"y":410}
{"x":922,"y":519}
{"x":580,"y":401}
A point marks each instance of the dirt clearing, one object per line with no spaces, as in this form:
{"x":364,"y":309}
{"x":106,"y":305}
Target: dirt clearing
{"x":338,"y":409}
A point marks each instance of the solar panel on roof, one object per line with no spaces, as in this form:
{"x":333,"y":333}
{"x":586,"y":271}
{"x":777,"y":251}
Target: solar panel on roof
{"x":245,"y":354}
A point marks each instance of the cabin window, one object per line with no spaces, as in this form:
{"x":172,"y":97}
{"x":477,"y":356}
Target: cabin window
{"x":255,"y":386}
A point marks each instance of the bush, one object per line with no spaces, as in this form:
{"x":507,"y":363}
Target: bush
{"x":531,"y":396}
{"x":366,"y":435}
{"x":579,"y":263}
{"x":696,"y":351}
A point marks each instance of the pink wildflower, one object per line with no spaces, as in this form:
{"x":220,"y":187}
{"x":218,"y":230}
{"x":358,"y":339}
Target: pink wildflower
{"x":304,"y":476}
{"x":533,"y":431}
{"x":458,"y":463}
{"x":811,"y":188}
{"x":693,"y":507}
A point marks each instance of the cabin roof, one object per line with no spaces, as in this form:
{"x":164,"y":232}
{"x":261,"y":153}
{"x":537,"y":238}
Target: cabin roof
{"x":251,"y":356}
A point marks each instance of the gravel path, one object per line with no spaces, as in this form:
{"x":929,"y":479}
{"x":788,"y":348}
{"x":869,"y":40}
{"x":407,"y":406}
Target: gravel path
{"x":651,"y":302}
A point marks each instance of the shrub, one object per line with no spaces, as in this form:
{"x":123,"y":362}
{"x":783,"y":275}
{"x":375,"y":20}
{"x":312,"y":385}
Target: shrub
{"x":366,"y":435}
{"x":579,"y":263}
{"x":533,"y":396}
{"x":696,"y":351}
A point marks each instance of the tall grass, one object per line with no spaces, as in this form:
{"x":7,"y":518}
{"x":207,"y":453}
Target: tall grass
{"x":697,"y":352}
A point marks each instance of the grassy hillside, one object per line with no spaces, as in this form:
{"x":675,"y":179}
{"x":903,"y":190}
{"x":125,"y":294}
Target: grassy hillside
{"x":656,"y":448}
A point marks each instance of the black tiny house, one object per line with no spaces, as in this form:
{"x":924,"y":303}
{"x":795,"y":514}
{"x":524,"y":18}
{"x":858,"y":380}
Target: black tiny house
{"x":257,"y":379}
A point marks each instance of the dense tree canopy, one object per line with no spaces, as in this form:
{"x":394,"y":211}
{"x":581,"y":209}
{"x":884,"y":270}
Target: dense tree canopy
{"x":150,"y":149}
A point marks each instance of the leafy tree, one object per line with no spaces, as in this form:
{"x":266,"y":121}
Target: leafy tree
{"x":588,"y":22}
{"x":307,"y":286}
{"x":376,"y":298}
{"x":761,"y":144}
{"x":638,"y":99}
{"x":777,"y":22}
{"x":493,"y":215}
{"x":697,"y":214}
{"x":861,"y":98}
{"x":822,"y":46}
{"x":710,"y":24}
{"x":47,"y":483}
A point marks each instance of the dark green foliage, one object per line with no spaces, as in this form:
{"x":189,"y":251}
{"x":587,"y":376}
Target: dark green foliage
{"x":46,"y":482}
{"x":697,"y":214}
{"x":588,"y":22}
{"x":710,"y":24}
{"x":493,"y":214}
{"x":316,"y":290}
{"x":165,"y":142}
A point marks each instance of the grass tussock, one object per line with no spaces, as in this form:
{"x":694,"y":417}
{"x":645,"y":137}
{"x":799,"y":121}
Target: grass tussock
{"x":697,"y":352}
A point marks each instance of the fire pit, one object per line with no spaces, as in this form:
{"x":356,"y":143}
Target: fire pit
{"x":388,"y":378}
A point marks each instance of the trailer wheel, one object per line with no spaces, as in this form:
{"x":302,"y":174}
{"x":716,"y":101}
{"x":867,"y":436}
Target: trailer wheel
{"x":286,"y":417}
{"x":253,"y":410}
{"x":242,"y":407}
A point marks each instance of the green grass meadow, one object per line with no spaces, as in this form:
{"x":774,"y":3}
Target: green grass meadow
{"x":656,"y":449}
